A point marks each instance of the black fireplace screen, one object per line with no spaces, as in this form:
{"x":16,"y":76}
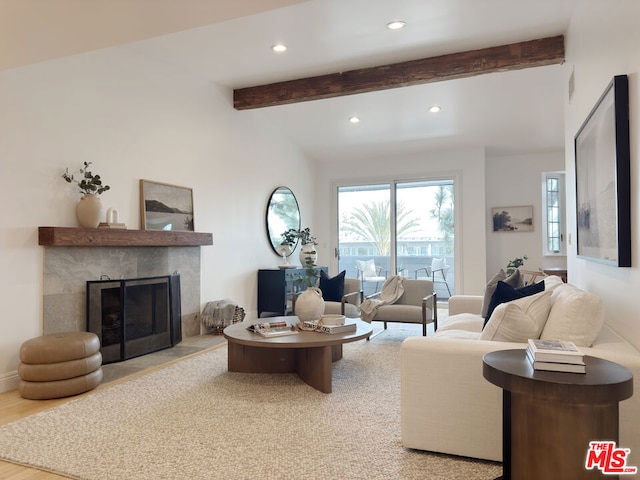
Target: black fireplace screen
{"x":135,"y":316}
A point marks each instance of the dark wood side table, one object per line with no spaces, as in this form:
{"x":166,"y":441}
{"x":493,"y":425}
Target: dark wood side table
{"x":549,"y":418}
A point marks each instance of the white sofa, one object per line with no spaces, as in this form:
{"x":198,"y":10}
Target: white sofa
{"x":446,"y":404}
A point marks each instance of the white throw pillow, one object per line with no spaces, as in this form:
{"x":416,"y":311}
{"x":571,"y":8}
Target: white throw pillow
{"x":576,"y":316}
{"x":518,"y":320}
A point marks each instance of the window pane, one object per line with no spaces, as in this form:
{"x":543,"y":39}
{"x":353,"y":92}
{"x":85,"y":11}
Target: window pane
{"x":364,"y":227}
{"x":425,"y":230}
{"x":553,"y":198}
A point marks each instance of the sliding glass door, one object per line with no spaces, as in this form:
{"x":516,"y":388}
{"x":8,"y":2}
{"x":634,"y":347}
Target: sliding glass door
{"x":398,"y":227}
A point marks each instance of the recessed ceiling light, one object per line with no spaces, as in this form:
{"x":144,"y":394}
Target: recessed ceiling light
{"x":396,"y":25}
{"x":279,"y":47}
{"x":435,"y":108}
{"x":354,"y":119}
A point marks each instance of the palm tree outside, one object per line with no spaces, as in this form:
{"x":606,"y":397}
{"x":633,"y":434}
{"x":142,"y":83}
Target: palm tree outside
{"x":371,"y":223}
{"x":424,"y":227}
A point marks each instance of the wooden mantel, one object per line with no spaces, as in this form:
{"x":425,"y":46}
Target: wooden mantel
{"x":105,"y":237}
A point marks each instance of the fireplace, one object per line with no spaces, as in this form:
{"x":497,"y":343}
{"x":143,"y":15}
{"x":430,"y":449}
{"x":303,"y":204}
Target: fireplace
{"x":133,"y":317}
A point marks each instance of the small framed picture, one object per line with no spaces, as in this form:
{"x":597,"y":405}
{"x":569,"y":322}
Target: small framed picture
{"x":512,"y":219}
{"x":165,"y":207}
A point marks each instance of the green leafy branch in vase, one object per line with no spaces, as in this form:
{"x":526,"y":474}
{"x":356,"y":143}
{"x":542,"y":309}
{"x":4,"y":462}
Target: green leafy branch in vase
{"x":310,"y":278}
{"x":89,"y":184}
{"x":514,"y":264}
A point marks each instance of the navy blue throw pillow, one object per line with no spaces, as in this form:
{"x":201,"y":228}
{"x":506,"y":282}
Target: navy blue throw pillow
{"x":506,"y":293}
{"x":332,"y":288}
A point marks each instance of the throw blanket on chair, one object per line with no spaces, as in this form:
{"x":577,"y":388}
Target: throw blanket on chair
{"x":392,"y":290}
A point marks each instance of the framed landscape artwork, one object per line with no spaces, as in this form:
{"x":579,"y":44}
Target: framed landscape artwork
{"x":165,"y":207}
{"x":512,"y":219}
{"x":603,"y":205}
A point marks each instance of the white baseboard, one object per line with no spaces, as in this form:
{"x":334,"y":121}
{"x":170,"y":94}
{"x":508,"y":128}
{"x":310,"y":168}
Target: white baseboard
{"x":9,"y":381}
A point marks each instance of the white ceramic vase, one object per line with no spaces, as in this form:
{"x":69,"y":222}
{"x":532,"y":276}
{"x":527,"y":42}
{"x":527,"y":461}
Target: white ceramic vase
{"x":89,"y":210}
{"x":309,"y":305}
{"x":308,"y":251}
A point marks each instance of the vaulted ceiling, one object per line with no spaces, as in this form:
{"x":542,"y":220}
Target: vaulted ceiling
{"x":229,"y":42}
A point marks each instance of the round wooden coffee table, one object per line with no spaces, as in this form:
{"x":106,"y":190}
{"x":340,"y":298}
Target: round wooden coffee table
{"x":309,"y":354}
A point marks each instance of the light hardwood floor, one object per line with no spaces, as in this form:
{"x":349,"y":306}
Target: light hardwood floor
{"x":14,"y":407}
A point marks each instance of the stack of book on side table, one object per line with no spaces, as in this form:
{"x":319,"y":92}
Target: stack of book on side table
{"x":555,"y":356}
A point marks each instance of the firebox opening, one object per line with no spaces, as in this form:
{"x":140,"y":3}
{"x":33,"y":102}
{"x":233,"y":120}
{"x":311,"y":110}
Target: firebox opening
{"x":134,"y":317}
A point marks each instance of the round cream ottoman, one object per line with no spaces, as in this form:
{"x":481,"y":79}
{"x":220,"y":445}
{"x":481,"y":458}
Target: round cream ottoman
{"x":59,"y":365}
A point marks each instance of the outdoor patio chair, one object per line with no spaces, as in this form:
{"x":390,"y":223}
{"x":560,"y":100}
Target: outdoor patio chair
{"x":369,"y":272}
{"x":437,"y":271}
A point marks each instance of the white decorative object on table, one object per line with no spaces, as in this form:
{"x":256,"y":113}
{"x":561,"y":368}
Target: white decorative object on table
{"x":284,"y":249}
{"x":309,"y":305}
{"x":112,"y":220}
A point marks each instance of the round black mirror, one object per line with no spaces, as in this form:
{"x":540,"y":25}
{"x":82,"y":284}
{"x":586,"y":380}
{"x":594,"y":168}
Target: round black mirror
{"x":283,"y":214}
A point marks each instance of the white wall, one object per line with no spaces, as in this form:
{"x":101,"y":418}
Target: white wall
{"x":602,"y":41}
{"x":469,"y":168}
{"x":133,"y":118}
{"x":512,"y":181}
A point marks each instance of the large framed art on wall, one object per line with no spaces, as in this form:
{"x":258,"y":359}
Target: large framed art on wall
{"x":602,"y":161}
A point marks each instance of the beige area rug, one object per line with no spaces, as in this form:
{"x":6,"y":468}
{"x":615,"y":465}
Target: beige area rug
{"x":195,"y":420}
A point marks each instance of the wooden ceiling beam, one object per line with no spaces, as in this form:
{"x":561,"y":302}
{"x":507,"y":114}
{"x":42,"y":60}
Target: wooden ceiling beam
{"x":515,"y":56}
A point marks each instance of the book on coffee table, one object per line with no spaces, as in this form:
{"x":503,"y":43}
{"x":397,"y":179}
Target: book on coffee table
{"x":272,"y":329}
{"x":348,"y":326}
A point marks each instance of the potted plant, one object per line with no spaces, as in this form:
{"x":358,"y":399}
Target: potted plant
{"x":306,"y":238}
{"x":516,"y":263}
{"x":308,"y":254}
{"x":89,"y":208}
{"x":308,"y":241}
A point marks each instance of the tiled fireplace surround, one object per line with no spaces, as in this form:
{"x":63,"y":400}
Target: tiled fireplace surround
{"x":67,"y":269}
